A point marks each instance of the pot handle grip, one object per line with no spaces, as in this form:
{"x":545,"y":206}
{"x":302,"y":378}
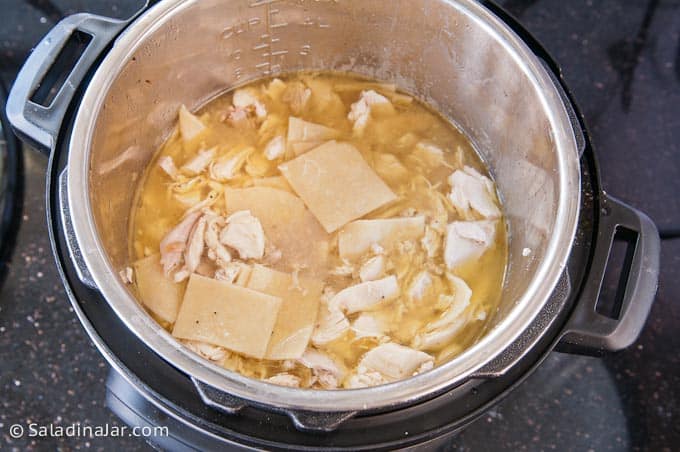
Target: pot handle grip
{"x":38,"y":121}
{"x":587,"y":330}
{"x":306,"y":421}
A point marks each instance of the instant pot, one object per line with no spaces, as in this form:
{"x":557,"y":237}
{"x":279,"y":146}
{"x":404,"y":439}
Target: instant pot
{"x":99,"y":96}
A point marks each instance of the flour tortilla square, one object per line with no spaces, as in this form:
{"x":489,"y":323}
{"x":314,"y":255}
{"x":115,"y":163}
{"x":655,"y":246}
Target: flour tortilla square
{"x":336,"y":184}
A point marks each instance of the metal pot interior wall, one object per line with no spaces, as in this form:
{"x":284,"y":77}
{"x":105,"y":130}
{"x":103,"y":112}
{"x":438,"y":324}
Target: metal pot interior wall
{"x":455,"y":56}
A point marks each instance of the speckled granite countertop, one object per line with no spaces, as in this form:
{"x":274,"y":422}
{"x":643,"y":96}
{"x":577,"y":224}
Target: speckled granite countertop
{"x":622,"y":61}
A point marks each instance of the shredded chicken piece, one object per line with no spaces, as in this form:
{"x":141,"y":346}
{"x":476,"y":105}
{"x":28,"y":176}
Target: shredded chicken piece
{"x":372,"y":269}
{"x":207,"y":351}
{"x":325,"y":370}
{"x":330,"y":325}
{"x":431,"y":241}
{"x":239,"y":118}
{"x":228,"y":272}
{"x":126,"y":275}
{"x":439,"y":337}
{"x":368,"y":325}
{"x":455,"y":303}
{"x":392,"y":362}
{"x":421,"y":283}
{"x":361,"y":110}
{"x":346,"y":269}
{"x":297,"y":95}
{"x":440,"y":332}
{"x":216,"y":251}
{"x":467,"y":240}
{"x":471,"y":191}
{"x":228,"y":168}
{"x":244,"y":233}
{"x":366,"y":295}
{"x":194,"y":250}
{"x":244,"y":99}
{"x":365,"y":380}
{"x":167,"y":164}
{"x":205,"y":203}
{"x":275,"y":148}
{"x":174,"y":243}
{"x":429,"y":156}
{"x":276,"y":88}
{"x":284,"y":379}
{"x":199,"y":163}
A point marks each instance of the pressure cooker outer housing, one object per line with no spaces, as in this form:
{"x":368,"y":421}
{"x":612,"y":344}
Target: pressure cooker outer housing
{"x":455,"y":55}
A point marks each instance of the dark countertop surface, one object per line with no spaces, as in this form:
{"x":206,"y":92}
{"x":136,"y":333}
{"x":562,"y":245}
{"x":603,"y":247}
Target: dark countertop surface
{"x":620,"y":58}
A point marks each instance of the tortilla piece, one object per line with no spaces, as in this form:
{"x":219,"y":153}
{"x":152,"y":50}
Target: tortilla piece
{"x":284,"y":219}
{"x":356,"y":238}
{"x":159,"y":294}
{"x":219,"y":313}
{"x":301,"y":130}
{"x":336,"y":184}
{"x":297,"y":316}
{"x":301,"y":147}
{"x":189,"y":125}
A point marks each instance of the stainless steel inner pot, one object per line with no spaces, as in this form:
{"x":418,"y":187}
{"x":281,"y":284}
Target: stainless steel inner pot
{"x":454,"y":55}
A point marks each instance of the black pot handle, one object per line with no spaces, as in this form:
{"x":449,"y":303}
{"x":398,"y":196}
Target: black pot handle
{"x":39,"y":124}
{"x":588,"y":331}
{"x":306,"y":421}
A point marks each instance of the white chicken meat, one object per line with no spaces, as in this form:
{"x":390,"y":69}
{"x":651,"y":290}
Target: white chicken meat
{"x":194,"y":250}
{"x":360,"y":111}
{"x":372,"y":269}
{"x":216,"y":251}
{"x":275,"y":148}
{"x":228,"y":168}
{"x":207,"y":351}
{"x":167,"y":164}
{"x":467,"y":240}
{"x":389,"y":362}
{"x":420,"y":285}
{"x":330,"y":325}
{"x":246,"y":100}
{"x":284,"y":379}
{"x":472,"y":191}
{"x":199,"y":163}
{"x":244,"y":233}
{"x":438,"y":333}
{"x":368,"y":325}
{"x":326,"y":371}
{"x":174,"y":243}
{"x":366,"y":295}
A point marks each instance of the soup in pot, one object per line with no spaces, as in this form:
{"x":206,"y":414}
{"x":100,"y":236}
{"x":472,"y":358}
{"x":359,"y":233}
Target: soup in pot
{"x":319,"y":230}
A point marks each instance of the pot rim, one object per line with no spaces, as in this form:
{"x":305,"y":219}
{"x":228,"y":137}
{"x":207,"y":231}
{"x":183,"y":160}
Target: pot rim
{"x":258,"y":392}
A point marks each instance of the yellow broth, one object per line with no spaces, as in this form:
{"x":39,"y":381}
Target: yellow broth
{"x":387,"y":138}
